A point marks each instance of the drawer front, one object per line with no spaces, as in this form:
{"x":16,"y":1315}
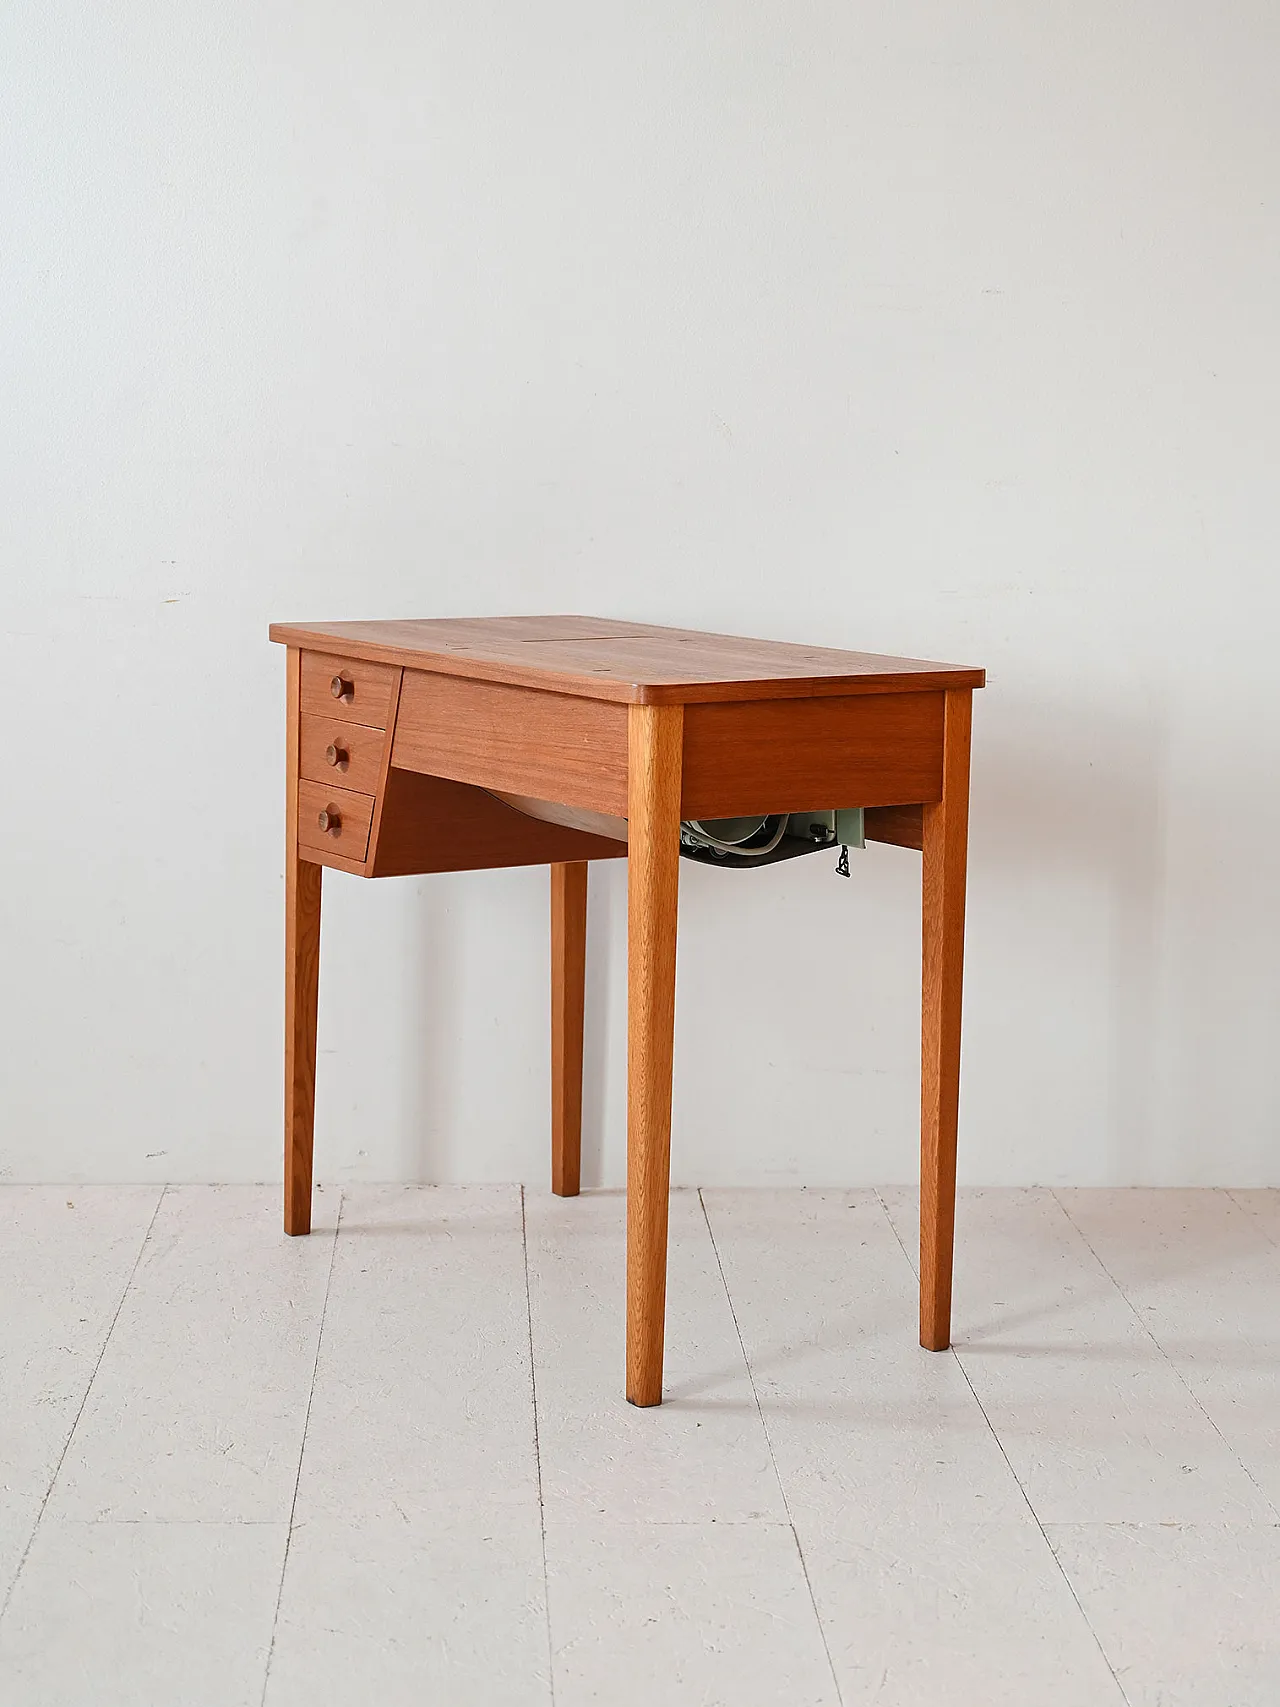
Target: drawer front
{"x":340,"y":755}
{"x":347,"y":688}
{"x":335,"y":819}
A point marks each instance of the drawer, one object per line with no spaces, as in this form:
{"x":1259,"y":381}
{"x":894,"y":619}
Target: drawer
{"x":347,"y":688}
{"x":340,"y":755}
{"x":335,"y":819}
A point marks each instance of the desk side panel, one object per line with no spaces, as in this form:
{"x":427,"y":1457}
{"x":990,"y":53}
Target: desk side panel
{"x":786,"y":755}
{"x":430,"y":823}
{"x":900,"y":826}
{"x":518,"y":740}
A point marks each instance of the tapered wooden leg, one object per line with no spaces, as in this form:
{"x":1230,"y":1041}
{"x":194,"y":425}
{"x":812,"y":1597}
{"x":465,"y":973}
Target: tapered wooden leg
{"x":568,"y":986}
{"x":946,"y":833}
{"x":656,"y":736}
{"x":301,"y":988}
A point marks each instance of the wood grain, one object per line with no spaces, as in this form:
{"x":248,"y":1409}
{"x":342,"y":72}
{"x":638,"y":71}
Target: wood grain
{"x":372,"y":686}
{"x":786,"y":755}
{"x":903,"y":826}
{"x":568,"y":989}
{"x":517,"y":740}
{"x":653,"y":875}
{"x":302,"y":882}
{"x":945,"y":837}
{"x":361,"y":770}
{"x":630,"y":662}
{"x":384,"y":775}
{"x":430,"y":823}
{"x":351,"y":839}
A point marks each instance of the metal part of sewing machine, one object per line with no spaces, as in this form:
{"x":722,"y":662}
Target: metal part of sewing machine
{"x":730,"y":844}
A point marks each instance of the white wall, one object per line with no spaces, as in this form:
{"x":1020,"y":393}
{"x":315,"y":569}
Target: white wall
{"x":943,"y":328}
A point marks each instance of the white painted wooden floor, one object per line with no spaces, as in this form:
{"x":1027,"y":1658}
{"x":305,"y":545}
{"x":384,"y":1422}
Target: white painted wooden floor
{"x":395,"y":1466}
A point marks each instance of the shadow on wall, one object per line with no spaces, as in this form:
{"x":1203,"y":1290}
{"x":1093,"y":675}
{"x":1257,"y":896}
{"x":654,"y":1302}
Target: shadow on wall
{"x":1067,"y":888}
{"x":1116,"y":888}
{"x":1122,"y":985}
{"x":604,"y":1058}
{"x":433,"y":1114}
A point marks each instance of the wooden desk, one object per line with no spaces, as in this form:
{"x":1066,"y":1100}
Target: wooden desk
{"x":461,"y":744}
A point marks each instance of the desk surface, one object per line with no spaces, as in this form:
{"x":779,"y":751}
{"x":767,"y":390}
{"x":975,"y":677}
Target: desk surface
{"x":597,"y":658}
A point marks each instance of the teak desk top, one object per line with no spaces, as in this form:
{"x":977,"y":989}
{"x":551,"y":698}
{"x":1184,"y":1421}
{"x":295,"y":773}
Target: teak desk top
{"x":455,"y":744}
{"x":594,"y":657}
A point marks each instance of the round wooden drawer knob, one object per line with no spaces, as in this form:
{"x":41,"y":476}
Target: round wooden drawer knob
{"x":342,"y":687}
{"x":337,"y":756}
{"x":330,"y":820}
